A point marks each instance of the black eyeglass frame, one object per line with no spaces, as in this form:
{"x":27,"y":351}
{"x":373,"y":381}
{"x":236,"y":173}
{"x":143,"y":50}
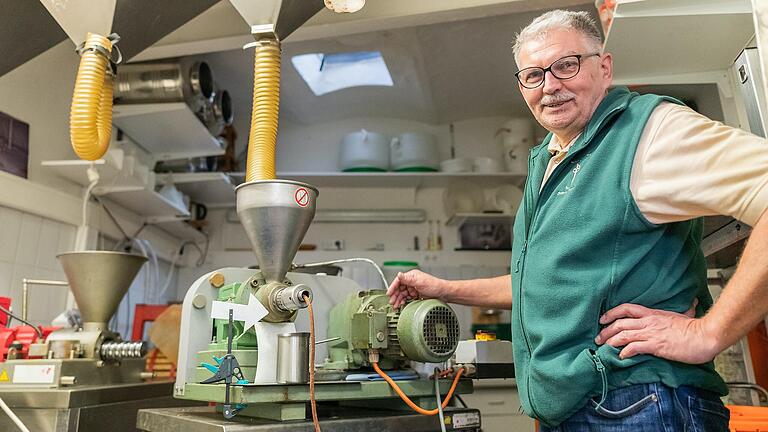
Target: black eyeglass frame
{"x":579,"y":57}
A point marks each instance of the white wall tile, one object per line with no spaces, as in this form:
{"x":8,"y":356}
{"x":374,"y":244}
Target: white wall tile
{"x":6,"y":276}
{"x":29,"y":235}
{"x":55,"y":297}
{"x":21,"y":271}
{"x":66,"y":238}
{"x":10,"y":227}
{"x":47,"y":245}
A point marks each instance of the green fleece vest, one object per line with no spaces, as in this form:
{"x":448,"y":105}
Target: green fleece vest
{"x":582,"y":247}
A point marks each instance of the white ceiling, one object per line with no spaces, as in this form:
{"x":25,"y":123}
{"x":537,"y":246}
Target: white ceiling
{"x":442,"y":73}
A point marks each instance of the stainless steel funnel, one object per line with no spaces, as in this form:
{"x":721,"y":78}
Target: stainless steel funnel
{"x":99,"y":280}
{"x":276,"y":215}
{"x":280,"y":17}
{"x":78,"y":17}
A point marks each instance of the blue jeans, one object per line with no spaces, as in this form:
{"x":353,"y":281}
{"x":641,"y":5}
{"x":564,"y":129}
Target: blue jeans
{"x":650,"y":408}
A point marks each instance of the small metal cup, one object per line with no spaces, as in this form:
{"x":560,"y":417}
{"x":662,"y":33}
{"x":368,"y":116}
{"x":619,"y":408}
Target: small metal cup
{"x":293,"y":358}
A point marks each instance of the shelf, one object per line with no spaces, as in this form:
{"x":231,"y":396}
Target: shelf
{"x":145,"y":202}
{"x":394,"y":179}
{"x":652,"y":41}
{"x":166,"y":130}
{"x":115,"y":168}
{"x":180,"y":229}
{"x":460,"y":219}
{"x":214,"y":189}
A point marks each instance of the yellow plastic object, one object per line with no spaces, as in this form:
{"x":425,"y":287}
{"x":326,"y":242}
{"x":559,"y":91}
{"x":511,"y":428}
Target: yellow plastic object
{"x":266,"y":101}
{"x":485,"y":336}
{"x":90,"y":118}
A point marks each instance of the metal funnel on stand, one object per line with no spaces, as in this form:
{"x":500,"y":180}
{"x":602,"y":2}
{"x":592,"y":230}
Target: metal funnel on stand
{"x":99,"y":280}
{"x":276,"y":215}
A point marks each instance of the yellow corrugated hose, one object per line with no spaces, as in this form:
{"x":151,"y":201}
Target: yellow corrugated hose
{"x":90,"y":119}
{"x":266,"y":101}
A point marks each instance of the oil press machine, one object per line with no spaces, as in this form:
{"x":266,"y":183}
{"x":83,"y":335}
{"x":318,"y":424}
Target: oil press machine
{"x":82,"y":378}
{"x":240,"y":347}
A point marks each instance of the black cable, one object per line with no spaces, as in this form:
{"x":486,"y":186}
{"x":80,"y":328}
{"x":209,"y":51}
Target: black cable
{"x":141,"y":228}
{"x":461,"y":401}
{"x":111,"y":216}
{"x":201,"y":261}
{"x":10,"y":314}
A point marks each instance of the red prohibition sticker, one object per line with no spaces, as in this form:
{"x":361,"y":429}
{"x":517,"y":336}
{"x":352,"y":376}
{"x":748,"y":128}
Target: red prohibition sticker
{"x":301,"y":196}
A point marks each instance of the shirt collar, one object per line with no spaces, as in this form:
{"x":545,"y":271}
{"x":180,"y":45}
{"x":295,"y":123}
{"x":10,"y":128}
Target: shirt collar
{"x":554,"y":146}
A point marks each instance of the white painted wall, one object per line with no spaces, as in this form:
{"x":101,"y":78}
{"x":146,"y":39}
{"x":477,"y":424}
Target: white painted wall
{"x":30,"y":244}
{"x":39,"y":92}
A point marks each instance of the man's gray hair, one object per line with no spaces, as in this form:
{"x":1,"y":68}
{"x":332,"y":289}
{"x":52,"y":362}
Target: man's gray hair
{"x":559,"y":19}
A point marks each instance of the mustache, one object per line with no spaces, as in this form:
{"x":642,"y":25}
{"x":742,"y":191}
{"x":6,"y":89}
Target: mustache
{"x":557,"y":98}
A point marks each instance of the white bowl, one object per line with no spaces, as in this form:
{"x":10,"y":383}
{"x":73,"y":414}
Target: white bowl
{"x":463,"y":197}
{"x":507,"y":198}
{"x":484,"y":164}
{"x":458,"y":165}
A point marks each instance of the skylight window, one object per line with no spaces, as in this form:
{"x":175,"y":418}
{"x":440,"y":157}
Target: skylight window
{"x":325,"y":73}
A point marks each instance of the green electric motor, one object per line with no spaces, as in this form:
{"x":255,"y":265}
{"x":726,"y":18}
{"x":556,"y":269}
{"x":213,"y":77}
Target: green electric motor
{"x":423,"y":331}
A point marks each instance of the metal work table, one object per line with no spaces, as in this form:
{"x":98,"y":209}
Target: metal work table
{"x":85,"y":408}
{"x":332,"y":419}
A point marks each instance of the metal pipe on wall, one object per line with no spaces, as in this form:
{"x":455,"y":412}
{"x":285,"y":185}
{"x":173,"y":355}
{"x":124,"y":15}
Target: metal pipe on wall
{"x":142,"y":83}
{"x":25,"y":283}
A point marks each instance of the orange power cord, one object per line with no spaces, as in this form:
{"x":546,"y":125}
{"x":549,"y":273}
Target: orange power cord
{"x":408,"y":401}
{"x":312,"y":402}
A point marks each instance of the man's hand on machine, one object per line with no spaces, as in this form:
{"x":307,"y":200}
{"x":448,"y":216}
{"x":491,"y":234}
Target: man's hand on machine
{"x":413,"y":285}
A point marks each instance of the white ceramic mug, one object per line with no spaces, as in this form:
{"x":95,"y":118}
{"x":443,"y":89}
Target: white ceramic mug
{"x":516,"y":158}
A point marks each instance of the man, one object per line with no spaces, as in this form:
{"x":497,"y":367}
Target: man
{"x":613,"y":326}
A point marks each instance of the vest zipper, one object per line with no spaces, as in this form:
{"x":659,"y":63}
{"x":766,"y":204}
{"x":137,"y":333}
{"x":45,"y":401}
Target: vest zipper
{"x":603,"y":377}
{"x":520,"y":258}
{"x":519,"y":270}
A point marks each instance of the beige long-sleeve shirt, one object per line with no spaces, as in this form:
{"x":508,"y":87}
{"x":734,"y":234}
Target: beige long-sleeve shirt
{"x":687,"y":166}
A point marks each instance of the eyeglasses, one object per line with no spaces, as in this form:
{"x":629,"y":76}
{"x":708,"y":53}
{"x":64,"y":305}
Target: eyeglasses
{"x":562,"y":68}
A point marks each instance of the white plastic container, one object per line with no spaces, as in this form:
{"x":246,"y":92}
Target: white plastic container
{"x":364,"y":151}
{"x":515,"y":139}
{"x":392,"y":268}
{"x":414,"y":151}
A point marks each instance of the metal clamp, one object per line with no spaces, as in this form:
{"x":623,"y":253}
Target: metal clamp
{"x":114,"y":38}
{"x":228,"y":368}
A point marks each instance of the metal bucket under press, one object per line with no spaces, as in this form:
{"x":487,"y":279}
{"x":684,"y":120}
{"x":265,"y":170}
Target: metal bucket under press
{"x":293,"y":358}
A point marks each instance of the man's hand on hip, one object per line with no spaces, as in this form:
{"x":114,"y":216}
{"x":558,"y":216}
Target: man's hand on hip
{"x":665,"y":334}
{"x":413,"y":285}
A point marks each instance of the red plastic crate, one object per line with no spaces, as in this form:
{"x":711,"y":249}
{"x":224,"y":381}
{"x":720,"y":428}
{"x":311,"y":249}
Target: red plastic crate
{"x":748,"y":418}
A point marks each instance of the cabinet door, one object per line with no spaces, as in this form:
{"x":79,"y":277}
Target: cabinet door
{"x":496,"y":423}
{"x":499,"y":409}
